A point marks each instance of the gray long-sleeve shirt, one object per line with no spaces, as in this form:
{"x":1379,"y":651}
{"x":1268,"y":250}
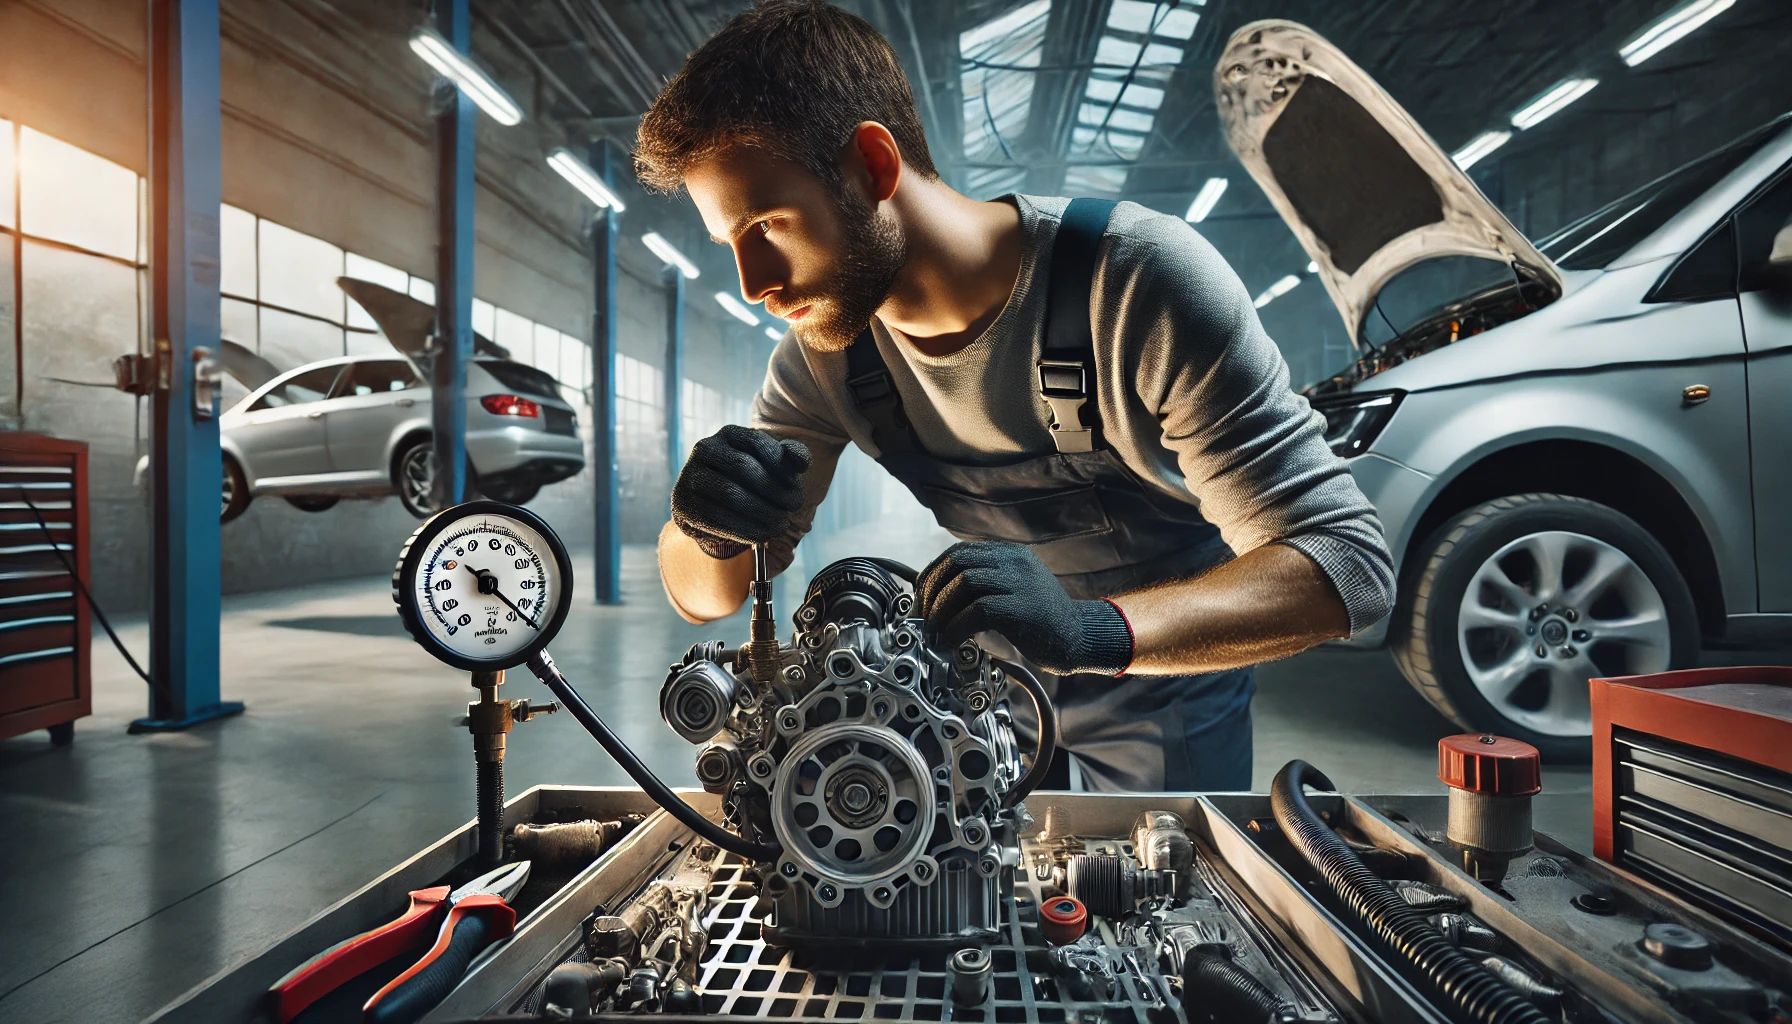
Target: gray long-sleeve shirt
{"x":1193,"y":397}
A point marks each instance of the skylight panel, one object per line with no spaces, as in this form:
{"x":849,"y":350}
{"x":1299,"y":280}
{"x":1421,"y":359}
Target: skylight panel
{"x":998,"y":86}
{"x":1117,"y":52}
{"x":993,"y":30}
{"x":1179,"y":23}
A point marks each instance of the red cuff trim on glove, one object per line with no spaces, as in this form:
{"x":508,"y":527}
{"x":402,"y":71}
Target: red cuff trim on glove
{"x":1132,"y":640}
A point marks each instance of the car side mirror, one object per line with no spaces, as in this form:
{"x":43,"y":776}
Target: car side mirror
{"x":1776,"y":275}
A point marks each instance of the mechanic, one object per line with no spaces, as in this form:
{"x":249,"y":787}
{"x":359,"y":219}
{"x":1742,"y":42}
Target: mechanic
{"x":1083,"y":392}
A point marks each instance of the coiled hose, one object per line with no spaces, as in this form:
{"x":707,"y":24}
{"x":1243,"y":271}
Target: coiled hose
{"x":1214,"y":986}
{"x":693,"y":819}
{"x":1048,"y":731}
{"x":1464,"y":985}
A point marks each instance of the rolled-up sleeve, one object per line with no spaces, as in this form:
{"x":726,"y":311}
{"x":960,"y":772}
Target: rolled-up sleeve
{"x":790,"y":405}
{"x":1249,"y":449}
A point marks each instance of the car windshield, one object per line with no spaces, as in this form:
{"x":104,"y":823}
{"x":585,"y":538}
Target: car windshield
{"x":1602,"y":236}
{"x":521,"y":377}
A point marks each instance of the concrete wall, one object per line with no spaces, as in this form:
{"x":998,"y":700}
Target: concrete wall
{"x":325,"y":130}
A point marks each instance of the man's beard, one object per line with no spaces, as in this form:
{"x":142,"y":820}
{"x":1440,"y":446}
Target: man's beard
{"x":874,"y":252}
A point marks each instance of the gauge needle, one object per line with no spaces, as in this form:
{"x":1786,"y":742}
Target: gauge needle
{"x":488,"y":584}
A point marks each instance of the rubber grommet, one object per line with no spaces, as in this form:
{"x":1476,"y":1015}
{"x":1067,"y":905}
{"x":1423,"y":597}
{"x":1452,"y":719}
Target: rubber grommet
{"x":1062,"y":919}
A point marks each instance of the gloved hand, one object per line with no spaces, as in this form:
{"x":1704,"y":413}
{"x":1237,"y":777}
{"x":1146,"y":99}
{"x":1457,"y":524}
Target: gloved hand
{"x":738,"y":488}
{"x":982,"y":585}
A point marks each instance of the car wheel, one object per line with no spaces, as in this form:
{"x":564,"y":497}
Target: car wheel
{"x":1514,"y":604}
{"x":510,"y":492}
{"x":236,"y":491}
{"x":414,"y":475}
{"x":313,"y":502}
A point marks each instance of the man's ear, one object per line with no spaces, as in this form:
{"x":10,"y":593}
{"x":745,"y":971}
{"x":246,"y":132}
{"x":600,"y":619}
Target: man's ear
{"x":873,"y":158}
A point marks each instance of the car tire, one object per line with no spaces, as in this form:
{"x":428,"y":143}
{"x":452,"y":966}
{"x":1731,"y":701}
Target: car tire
{"x":510,"y":493}
{"x":235,"y":497}
{"x":1500,"y":582}
{"x":313,"y":502}
{"x":413,"y":474}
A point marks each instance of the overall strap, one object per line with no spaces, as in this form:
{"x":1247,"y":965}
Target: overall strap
{"x":873,"y":391}
{"x":1067,"y":358}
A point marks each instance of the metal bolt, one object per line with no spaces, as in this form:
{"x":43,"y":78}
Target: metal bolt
{"x":808,"y":614}
{"x":856,"y":797}
{"x":967,"y":653}
{"x":1542,"y":651}
{"x":789,"y":870}
{"x":1582,"y":636}
{"x":880,"y":709}
{"x":793,"y":673}
{"x":974,"y":836}
{"x":1571,"y":615}
{"x":978,"y":701}
{"x":1567,"y":651}
{"x":828,"y":892}
{"x":921,"y":871}
{"x":1530,"y":631}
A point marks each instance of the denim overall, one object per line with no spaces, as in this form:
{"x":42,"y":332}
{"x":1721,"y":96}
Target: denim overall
{"x":1100,"y":529}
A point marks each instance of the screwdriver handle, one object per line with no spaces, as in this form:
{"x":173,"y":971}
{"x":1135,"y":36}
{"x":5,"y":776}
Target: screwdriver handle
{"x":473,"y":924}
{"x":336,"y":965}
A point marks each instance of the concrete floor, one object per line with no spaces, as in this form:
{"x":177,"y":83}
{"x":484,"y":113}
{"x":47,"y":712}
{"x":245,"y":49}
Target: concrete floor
{"x":138,"y":866}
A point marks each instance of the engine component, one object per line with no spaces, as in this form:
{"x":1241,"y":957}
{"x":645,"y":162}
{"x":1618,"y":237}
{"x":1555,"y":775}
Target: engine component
{"x":1547,"y":997}
{"x":1491,"y":780}
{"x":1213,"y":985}
{"x":1062,"y":919}
{"x":1111,"y":887}
{"x":1465,"y":931}
{"x":573,"y":989}
{"x":881,"y":769}
{"x":1160,"y":842}
{"x":970,"y":970}
{"x":569,"y":843}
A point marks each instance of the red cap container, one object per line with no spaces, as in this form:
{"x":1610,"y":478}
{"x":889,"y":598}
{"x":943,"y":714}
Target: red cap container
{"x":1489,"y":765}
{"x":1062,"y":919}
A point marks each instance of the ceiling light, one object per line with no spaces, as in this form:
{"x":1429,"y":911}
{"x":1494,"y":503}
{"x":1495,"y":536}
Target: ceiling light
{"x":737,"y":309}
{"x":1276,"y":291}
{"x":1204,"y":200}
{"x":1478,"y":147}
{"x":1552,"y":101}
{"x":774,"y":334}
{"x":583,"y":178}
{"x":1313,"y":266}
{"x":453,"y":65}
{"x":669,"y":254}
{"x":1670,"y":28}
{"x":1005,"y":25}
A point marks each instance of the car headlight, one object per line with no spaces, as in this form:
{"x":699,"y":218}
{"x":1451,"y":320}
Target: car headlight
{"x":1352,"y":422}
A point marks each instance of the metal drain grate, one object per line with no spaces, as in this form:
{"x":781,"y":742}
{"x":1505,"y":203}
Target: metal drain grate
{"x":742,"y":977}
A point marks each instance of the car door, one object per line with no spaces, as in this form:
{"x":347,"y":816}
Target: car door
{"x":282,"y":432}
{"x":371,"y":399}
{"x":1764,"y":286}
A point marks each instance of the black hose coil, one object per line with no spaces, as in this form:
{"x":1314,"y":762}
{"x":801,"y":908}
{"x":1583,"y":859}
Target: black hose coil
{"x":1462,"y":984}
{"x":1047,"y":748}
{"x":1213,"y":986}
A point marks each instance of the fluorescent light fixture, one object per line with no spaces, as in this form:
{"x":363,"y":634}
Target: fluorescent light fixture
{"x":669,"y":254}
{"x":1552,"y":101}
{"x":583,"y":178}
{"x":774,"y":334}
{"x":737,"y":309}
{"x":1204,"y":200}
{"x":1478,"y":147}
{"x":1670,"y":28}
{"x":1312,"y":266}
{"x":1276,"y":291}
{"x":1005,"y":25}
{"x":453,"y":65}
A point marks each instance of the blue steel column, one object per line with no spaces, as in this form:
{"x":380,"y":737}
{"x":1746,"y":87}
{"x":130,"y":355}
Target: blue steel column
{"x":674,"y":369}
{"x":455,"y":124}
{"x":185,"y":462}
{"x":606,"y":480}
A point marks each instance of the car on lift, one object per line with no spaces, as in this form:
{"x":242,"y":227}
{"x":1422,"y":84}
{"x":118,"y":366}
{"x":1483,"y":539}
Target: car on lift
{"x":1578,"y":447}
{"x":359,"y":426}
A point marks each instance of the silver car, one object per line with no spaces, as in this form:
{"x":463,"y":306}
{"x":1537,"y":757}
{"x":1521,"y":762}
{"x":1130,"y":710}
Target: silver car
{"x":359,"y":426}
{"x":1579,"y":447}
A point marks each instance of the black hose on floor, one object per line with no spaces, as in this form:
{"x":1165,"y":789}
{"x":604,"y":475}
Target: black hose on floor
{"x":1214,"y":986}
{"x":1048,"y":731}
{"x":657,"y":791}
{"x":1467,"y":988}
{"x":488,"y":785}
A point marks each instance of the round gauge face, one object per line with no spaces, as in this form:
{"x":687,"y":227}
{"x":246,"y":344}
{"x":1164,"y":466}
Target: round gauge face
{"x":483,"y":586}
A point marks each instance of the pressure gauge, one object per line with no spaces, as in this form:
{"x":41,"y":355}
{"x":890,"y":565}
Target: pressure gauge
{"x":483,"y":586}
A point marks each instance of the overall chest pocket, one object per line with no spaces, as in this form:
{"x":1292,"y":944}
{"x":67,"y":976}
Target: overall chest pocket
{"x":1036,"y":519}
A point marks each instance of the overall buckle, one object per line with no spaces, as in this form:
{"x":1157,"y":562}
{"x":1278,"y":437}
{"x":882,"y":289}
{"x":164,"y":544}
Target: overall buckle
{"x":1063,"y":383}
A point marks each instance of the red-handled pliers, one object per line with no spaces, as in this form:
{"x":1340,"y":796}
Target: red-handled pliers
{"x":465,"y":921}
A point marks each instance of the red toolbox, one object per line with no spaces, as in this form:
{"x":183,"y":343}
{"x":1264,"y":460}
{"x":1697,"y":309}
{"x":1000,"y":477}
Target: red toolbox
{"x":44,"y":657}
{"x":1692,"y":788}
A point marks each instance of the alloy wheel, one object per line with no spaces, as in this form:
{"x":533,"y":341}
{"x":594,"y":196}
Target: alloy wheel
{"x":229,"y":492}
{"x":418,"y":477}
{"x":1547,"y":612}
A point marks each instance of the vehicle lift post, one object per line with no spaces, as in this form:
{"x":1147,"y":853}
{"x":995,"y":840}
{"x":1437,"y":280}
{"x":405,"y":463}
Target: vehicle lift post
{"x":453,"y":343}
{"x":605,"y":477}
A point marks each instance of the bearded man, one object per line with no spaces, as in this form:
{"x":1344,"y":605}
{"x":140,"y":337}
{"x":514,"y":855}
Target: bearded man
{"x":1080,"y":391}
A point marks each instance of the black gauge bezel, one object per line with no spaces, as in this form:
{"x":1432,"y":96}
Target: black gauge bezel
{"x":410,"y":561}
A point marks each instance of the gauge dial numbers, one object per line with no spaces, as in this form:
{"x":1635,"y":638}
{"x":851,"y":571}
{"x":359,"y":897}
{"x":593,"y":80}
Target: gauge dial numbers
{"x":483,"y":585}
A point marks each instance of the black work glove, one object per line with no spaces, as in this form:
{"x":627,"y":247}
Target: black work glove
{"x":982,"y":585}
{"x":738,"y":488}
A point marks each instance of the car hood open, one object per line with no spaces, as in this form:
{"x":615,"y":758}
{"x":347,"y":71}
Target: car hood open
{"x":1363,"y":187}
{"x":406,"y":322}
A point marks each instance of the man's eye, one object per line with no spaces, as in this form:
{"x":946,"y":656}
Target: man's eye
{"x":765,"y":227}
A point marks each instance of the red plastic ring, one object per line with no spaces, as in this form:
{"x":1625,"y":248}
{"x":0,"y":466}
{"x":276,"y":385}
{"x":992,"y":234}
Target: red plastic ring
{"x":1062,"y":919}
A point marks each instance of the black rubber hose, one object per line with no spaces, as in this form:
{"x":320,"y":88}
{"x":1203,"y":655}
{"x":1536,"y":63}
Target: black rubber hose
{"x":1048,"y":731}
{"x":1214,"y":986}
{"x":657,"y":791}
{"x":895,"y":568}
{"x":1469,"y":989}
{"x":489,"y":784}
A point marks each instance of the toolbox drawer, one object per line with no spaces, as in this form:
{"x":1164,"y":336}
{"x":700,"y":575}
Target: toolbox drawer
{"x":551,"y":911}
{"x":44,"y":658}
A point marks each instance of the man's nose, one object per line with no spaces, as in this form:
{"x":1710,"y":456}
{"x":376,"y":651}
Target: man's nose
{"x":761,"y":271}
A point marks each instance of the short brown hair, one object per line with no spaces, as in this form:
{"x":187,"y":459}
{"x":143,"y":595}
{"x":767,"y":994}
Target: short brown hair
{"x":792,"y":77}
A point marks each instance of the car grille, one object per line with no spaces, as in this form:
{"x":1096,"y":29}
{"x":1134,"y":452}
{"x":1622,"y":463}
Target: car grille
{"x":1713,"y":828}
{"x":560,"y":421}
